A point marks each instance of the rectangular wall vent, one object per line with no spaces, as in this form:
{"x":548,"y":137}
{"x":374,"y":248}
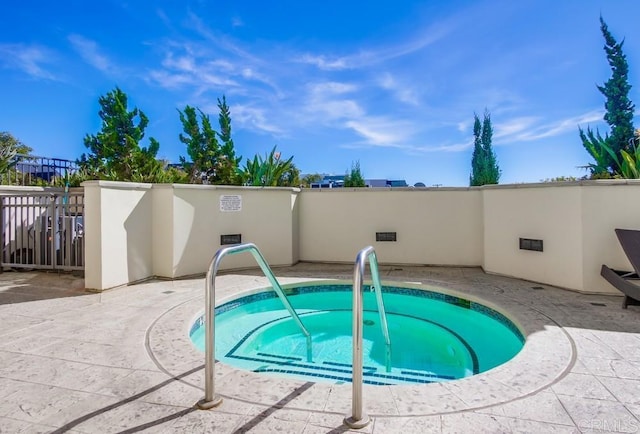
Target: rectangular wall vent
{"x":230,"y":239}
{"x":386,"y":236}
{"x":529,"y":244}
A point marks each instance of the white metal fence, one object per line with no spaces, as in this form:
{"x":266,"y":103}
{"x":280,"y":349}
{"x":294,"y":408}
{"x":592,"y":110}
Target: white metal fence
{"x":42,"y":230}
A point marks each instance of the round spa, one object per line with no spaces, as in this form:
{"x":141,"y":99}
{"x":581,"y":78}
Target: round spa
{"x":434,"y":336}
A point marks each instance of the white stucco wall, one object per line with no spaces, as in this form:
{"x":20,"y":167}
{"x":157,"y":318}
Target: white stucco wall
{"x":118,"y":233}
{"x":162,"y":226}
{"x":434,"y":226}
{"x":607,"y":205}
{"x":549,"y":212}
{"x":135,"y":231}
{"x":266,"y":219}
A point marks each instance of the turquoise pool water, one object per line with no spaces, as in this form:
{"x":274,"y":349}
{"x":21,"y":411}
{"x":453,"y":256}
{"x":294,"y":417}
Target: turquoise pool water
{"x":434,"y":337}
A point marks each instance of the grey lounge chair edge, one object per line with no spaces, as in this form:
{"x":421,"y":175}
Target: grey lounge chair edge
{"x":630,"y":241}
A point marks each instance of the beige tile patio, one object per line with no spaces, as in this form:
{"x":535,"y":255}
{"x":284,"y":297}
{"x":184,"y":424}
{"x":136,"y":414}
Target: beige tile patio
{"x":595,"y":414}
{"x":94,"y":363}
{"x":582,"y":386}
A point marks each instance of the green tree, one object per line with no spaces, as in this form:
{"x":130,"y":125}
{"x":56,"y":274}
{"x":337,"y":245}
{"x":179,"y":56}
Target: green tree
{"x":477,"y":159}
{"x":228,"y":162}
{"x":212,"y":161}
{"x":354,"y":178}
{"x":10,"y":148}
{"x":270,"y":171}
{"x":484,"y":163}
{"x":115,"y":152}
{"x":8,"y":141}
{"x":309,"y":179}
{"x":202,"y":146}
{"x":291,"y":177}
{"x":618,"y":111}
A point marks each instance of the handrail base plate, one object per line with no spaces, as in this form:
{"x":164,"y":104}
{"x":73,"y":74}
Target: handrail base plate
{"x":206,"y":405}
{"x":357,"y":424}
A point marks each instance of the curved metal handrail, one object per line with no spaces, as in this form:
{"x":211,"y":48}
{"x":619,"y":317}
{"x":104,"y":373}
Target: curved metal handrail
{"x":358,"y":418}
{"x":210,"y":399}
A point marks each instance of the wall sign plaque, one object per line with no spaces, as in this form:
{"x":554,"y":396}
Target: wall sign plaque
{"x":230,"y":203}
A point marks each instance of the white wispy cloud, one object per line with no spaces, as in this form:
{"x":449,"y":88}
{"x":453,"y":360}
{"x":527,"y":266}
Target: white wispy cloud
{"x":463,"y":126}
{"x":531,"y":128}
{"x":512,"y":131}
{"x":90,"y":53}
{"x":29,"y":59}
{"x":370,"y":56}
{"x":220,"y":41}
{"x":455,"y":147}
{"x":267,"y":84}
{"x":565,"y":125}
{"x":254,"y":118}
{"x":514,"y":127}
{"x":184,"y":63}
{"x":170,"y":80}
{"x":321,"y":89}
{"x":273,"y":95}
{"x":441,"y":147}
{"x":329,"y":101}
{"x":401,"y":92}
{"x":185,"y":69}
{"x":324,"y":63}
{"x":190,"y":64}
{"x":381,"y":131}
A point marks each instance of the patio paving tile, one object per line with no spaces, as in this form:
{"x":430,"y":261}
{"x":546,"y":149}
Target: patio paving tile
{"x":121,"y":360}
{"x":596,"y":414}
{"x":484,"y":423}
{"x":541,"y":407}
{"x":624,"y":389}
{"x":582,"y":386}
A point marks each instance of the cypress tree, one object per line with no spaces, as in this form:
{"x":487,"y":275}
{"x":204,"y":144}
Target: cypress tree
{"x":484,"y":164}
{"x":477,"y":160}
{"x":228,"y":162}
{"x":619,"y":109}
{"x":492,"y":170}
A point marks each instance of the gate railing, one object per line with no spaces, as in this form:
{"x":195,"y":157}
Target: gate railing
{"x":42,"y":230}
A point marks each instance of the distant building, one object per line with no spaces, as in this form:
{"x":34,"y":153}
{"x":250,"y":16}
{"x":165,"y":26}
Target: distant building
{"x":337,"y":181}
{"x":329,"y":181}
{"x":397,"y":183}
{"x":375,"y":182}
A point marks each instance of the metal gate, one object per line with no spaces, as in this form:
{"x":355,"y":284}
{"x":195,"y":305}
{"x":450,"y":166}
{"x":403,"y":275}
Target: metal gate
{"x":42,"y":230}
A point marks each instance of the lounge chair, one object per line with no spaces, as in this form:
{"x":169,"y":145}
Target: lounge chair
{"x":624,"y":280}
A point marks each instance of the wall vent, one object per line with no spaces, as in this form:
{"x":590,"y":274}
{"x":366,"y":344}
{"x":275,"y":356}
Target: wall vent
{"x":230,"y":239}
{"x":386,"y":236}
{"x":529,"y":244}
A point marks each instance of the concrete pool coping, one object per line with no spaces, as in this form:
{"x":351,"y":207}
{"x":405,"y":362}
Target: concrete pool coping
{"x":121,"y":361}
{"x":546,"y":357}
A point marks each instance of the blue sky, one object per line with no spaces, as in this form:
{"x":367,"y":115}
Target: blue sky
{"x":392,"y":84}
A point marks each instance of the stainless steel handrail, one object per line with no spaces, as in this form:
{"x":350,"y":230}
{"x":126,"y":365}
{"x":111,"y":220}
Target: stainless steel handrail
{"x":359,"y":419}
{"x":210,"y":399}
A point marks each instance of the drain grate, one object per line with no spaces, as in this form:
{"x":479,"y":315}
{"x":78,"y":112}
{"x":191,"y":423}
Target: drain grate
{"x":537,"y":287}
{"x":168,"y":292}
{"x":597,"y":304}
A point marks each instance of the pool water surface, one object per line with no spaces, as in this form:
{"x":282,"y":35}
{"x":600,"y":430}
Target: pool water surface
{"x":434,"y":336}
